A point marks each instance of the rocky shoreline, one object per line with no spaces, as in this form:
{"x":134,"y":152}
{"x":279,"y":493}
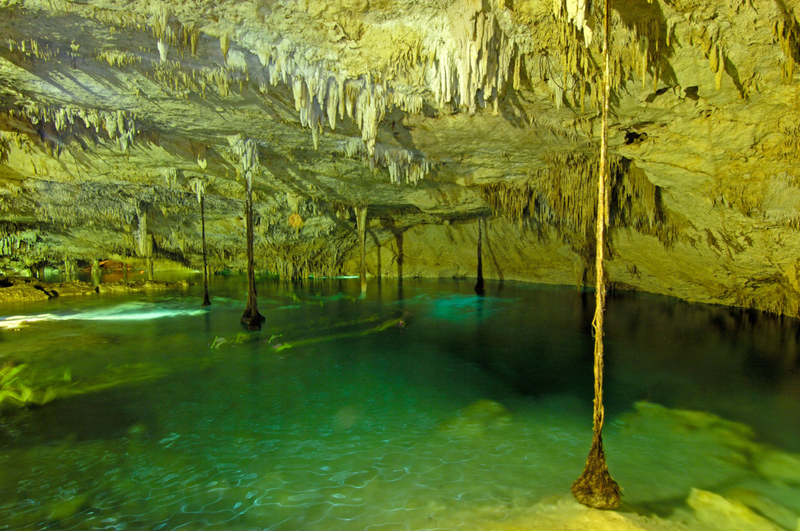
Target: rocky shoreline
{"x":25,"y":289}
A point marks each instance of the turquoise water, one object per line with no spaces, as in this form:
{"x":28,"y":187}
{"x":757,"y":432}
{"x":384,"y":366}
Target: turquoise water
{"x":421,"y":406}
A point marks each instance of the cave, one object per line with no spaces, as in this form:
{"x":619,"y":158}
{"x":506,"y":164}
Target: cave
{"x":403,"y":198}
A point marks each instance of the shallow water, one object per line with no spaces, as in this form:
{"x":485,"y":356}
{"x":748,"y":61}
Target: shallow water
{"x":338,"y":416}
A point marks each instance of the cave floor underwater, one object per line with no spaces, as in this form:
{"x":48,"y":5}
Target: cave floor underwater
{"x":419,"y":406}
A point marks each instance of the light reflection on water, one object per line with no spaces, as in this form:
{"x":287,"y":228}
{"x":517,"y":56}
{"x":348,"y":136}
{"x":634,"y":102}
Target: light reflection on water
{"x":473,"y":411}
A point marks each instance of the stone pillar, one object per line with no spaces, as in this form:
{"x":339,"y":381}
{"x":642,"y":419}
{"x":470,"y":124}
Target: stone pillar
{"x":479,"y":287}
{"x":144,"y":241}
{"x":361,"y":224}
{"x":251,"y":316}
{"x":69,"y":269}
{"x":95,"y":272}
{"x":206,"y":301}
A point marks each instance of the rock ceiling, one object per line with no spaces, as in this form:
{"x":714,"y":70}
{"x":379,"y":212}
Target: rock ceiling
{"x":115,"y":116}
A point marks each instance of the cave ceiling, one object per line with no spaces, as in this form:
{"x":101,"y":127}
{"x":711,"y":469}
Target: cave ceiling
{"x":115,"y":115}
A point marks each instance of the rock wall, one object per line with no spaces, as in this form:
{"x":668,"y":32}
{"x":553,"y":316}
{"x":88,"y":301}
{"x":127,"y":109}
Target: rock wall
{"x":115,"y":119}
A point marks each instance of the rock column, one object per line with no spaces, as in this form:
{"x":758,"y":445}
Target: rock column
{"x":206,"y":301}
{"x":479,"y":287}
{"x":361,"y":224}
{"x":69,"y":269}
{"x":144,"y":241}
{"x":248,"y":155}
{"x":95,"y":272}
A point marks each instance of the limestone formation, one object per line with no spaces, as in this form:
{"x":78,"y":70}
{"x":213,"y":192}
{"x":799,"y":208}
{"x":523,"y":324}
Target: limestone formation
{"x":29,"y":289}
{"x":435,"y":114}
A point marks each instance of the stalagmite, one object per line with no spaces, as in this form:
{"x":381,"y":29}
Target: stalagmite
{"x":361,"y":222}
{"x":479,"y":287}
{"x":248,"y":155}
{"x":595,"y":487}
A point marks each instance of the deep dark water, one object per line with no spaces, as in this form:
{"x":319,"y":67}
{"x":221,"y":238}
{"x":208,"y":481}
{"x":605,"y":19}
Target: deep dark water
{"x":180,"y":418}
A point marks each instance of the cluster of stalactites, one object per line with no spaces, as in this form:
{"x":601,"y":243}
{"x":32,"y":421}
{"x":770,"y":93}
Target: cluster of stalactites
{"x":169,"y":33}
{"x":474,"y":65}
{"x":247,"y":151}
{"x":119,"y":125}
{"x":322,"y":97}
{"x":564,"y":195}
{"x":69,"y":204}
{"x":198,"y":187}
{"x":577,"y":12}
{"x":404,"y":165}
{"x":12,"y":237}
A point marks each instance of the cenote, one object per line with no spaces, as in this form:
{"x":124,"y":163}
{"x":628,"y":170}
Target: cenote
{"x":420,"y":406}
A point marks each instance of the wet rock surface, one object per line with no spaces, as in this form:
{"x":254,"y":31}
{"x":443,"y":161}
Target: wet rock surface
{"x":17,"y":289}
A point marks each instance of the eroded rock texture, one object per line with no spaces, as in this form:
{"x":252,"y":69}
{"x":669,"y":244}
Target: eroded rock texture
{"x":116,"y":116}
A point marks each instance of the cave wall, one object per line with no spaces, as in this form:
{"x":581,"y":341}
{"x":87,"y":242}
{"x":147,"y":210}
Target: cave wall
{"x":433,"y":115}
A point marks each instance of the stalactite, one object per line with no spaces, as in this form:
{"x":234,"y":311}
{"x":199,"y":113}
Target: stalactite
{"x":224,"y":46}
{"x":361,"y":225}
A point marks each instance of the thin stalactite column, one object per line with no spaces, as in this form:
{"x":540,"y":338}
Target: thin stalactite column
{"x":479,"y":286}
{"x":206,"y":301}
{"x":69,"y":269}
{"x":251,"y":317}
{"x":361,"y":225}
{"x":95,"y":272}
{"x":595,"y":487}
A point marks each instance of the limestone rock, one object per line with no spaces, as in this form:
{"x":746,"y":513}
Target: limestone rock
{"x":720,"y":513}
{"x":18,"y":289}
{"x":133,"y":286}
{"x":765,"y":506}
{"x":76,"y":287}
{"x":777,"y":465}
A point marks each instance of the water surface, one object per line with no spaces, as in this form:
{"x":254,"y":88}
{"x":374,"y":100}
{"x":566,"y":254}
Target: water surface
{"x":421,"y":406}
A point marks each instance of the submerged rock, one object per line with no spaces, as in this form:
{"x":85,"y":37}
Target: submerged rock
{"x":476,"y":418}
{"x":766,"y":507}
{"x":734,"y":435}
{"x":24,"y":289}
{"x":133,"y":286}
{"x":69,"y":507}
{"x":774,"y":465}
{"x":717,"y":512}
